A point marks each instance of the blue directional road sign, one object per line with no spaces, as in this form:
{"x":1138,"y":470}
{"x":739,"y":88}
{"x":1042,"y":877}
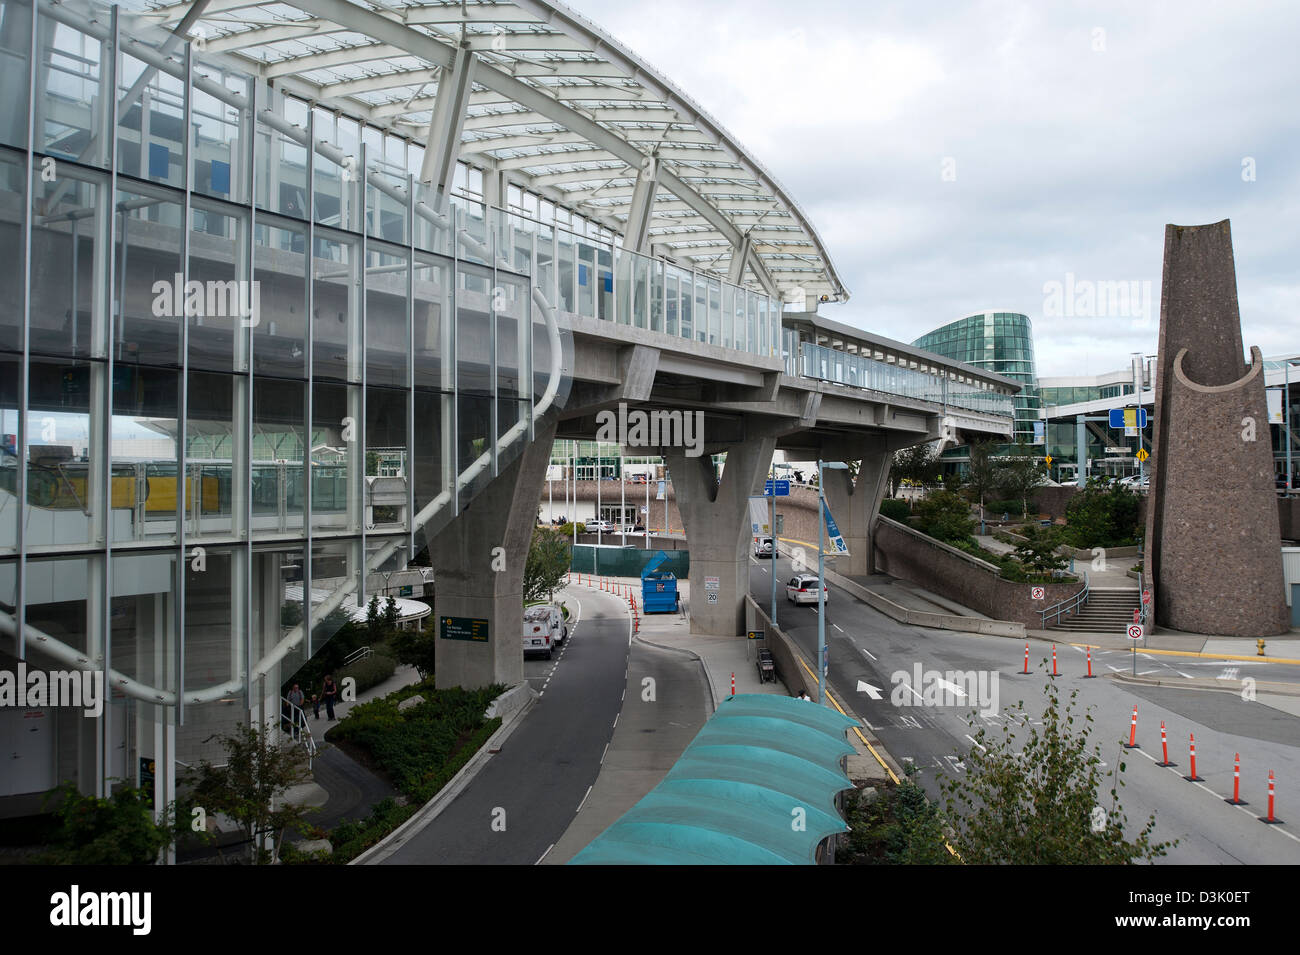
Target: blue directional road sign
{"x":1128,"y":417}
{"x":776,"y":489}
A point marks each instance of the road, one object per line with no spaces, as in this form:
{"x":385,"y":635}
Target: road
{"x":865,"y":645}
{"x":524,"y":798}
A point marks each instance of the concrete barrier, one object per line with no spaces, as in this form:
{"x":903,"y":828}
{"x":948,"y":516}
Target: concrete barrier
{"x":788,"y":670}
{"x":923,"y":618}
{"x":510,"y":702}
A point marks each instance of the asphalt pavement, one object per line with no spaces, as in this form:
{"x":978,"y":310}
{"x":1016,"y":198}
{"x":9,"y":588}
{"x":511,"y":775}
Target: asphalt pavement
{"x":933,"y":727}
{"x":526,"y":795}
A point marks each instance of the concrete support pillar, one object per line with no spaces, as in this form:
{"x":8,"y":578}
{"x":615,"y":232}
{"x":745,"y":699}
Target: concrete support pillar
{"x":715,"y":516}
{"x":855,"y":503}
{"x":475,"y":580}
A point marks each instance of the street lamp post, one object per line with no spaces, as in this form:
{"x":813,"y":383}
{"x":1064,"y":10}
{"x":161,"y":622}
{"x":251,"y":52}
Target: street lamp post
{"x":821,"y":573}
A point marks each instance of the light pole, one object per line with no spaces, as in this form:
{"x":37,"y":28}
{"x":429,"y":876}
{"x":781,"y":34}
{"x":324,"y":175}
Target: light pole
{"x":821,"y":574}
{"x":1286,"y":419}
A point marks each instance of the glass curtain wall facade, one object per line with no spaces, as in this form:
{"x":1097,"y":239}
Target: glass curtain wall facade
{"x":232,"y":368}
{"x":1000,"y":342}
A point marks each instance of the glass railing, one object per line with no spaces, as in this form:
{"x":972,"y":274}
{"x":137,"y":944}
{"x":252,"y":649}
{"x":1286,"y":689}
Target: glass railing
{"x":594,"y":278}
{"x":827,"y":364}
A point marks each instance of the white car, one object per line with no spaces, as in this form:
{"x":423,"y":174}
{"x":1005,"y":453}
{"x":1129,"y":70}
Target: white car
{"x":604,"y":527}
{"x":802,"y":589}
{"x":766,"y":547}
{"x":544,"y":629}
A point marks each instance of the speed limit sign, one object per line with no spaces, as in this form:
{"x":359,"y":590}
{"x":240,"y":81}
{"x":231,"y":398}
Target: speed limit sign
{"x":1135,"y":631}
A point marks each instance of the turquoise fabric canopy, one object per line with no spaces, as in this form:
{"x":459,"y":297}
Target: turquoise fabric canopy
{"x":756,"y":786}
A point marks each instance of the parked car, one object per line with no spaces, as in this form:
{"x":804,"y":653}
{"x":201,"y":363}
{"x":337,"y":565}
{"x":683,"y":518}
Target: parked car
{"x":544,"y":629}
{"x":766,"y":547}
{"x":802,"y":589}
{"x":599,"y":526}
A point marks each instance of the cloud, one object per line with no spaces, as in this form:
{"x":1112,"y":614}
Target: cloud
{"x":1076,"y":135}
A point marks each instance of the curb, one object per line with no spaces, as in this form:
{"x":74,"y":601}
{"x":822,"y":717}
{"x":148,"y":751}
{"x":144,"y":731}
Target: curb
{"x":388,"y":845}
{"x":1203,"y":684}
{"x":708,"y":676}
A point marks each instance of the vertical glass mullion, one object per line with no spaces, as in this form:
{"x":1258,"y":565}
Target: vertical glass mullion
{"x":182,"y":403}
{"x":308,"y":475}
{"x":526,"y":347}
{"x":105,"y":584}
{"x":359,"y":288}
{"x":243,"y":601}
{"x":24,"y":372}
{"x":494,"y":316}
{"x":453,"y":365}
{"x":410,"y":366}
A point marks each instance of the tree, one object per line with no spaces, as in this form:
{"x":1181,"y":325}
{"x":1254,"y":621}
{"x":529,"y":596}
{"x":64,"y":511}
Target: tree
{"x":120,"y":830}
{"x":250,"y":787}
{"x":919,"y":463}
{"x":1038,"y":550}
{"x":1102,"y":514}
{"x":390,"y":615}
{"x":1036,"y":800}
{"x":417,"y":648}
{"x":944,"y":516}
{"x":1021,"y":472}
{"x":549,"y":557}
{"x":983,"y":478}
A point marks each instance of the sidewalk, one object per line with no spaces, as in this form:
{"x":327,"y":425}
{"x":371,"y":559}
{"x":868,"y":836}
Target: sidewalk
{"x":341,"y":788}
{"x":719,"y":656}
{"x":912,"y":597}
{"x":1276,"y":648}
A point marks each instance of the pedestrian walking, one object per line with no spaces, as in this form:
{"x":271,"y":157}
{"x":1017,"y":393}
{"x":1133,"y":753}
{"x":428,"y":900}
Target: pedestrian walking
{"x":329,"y":692}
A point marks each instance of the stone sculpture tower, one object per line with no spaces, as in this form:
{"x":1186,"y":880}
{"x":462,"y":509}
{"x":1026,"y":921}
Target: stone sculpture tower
{"x":1213,"y":544}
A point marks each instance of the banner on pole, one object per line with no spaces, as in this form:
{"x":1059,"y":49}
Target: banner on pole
{"x":837,"y":545}
{"x":759,"y":525}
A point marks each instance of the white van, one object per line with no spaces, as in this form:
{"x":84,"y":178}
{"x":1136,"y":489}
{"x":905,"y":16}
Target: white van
{"x":544,"y":629}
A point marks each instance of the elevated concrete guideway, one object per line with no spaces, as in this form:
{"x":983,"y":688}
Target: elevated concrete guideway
{"x":748,"y":406}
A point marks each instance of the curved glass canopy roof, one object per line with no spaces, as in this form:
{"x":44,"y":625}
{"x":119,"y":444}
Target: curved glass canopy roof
{"x":554,"y":102}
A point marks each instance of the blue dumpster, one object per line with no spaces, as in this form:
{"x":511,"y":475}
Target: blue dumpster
{"x":658,"y":588}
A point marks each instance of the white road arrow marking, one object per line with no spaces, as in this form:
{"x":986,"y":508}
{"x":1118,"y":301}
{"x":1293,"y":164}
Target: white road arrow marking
{"x":952,"y":688}
{"x":867,"y":688}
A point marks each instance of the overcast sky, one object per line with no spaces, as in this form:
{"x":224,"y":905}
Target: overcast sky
{"x":1075,"y":134}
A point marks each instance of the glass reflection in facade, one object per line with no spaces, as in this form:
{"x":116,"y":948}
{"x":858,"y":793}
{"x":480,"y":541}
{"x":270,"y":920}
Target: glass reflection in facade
{"x":1000,"y":342}
{"x":216,"y":345}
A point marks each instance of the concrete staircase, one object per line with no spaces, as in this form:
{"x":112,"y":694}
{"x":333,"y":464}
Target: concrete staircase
{"x":1108,"y":610}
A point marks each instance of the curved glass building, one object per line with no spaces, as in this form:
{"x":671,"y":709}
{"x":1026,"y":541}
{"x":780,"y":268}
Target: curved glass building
{"x":1000,"y":342}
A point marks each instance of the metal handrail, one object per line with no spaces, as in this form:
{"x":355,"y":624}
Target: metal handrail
{"x":301,"y":729}
{"x":1070,"y":603}
{"x":358,"y":654}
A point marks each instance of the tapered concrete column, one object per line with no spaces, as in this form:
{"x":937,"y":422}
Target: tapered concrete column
{"x":716,"y":517}
{"x":473,"y":579}
{"x":855,"y":503}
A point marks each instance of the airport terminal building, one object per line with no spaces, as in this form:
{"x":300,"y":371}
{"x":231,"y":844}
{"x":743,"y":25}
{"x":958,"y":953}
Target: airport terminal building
{"x":285,"y":287}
